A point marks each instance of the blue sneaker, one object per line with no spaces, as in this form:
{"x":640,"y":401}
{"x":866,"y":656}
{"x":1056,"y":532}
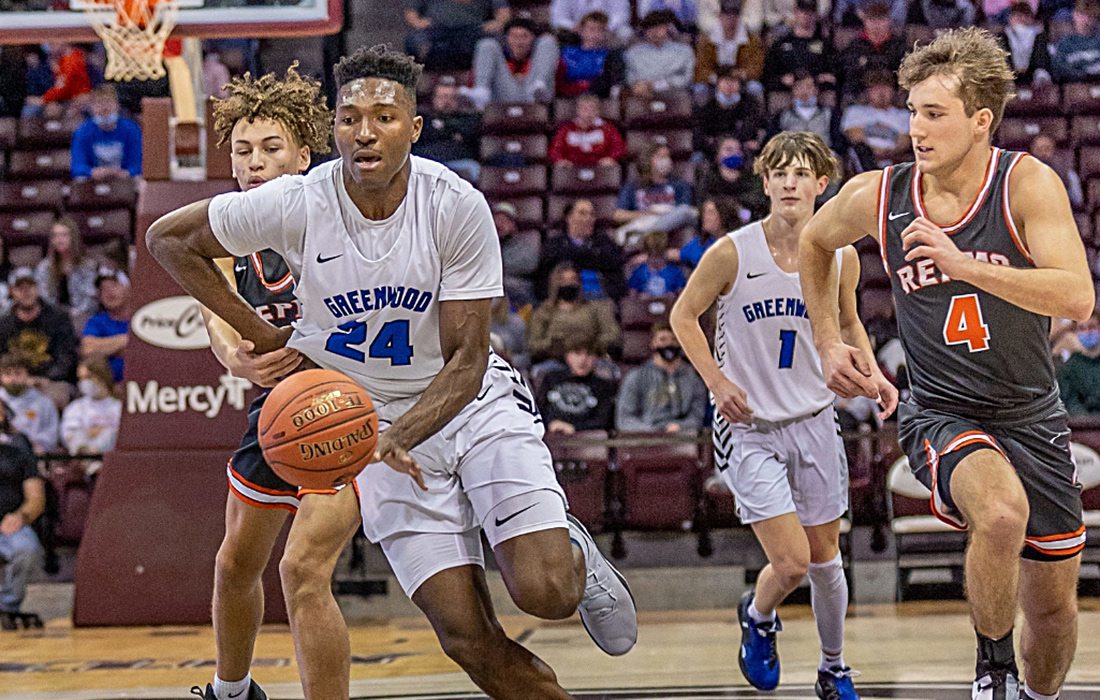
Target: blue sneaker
{"x":836,"y":684}
{"x":759,"y":657}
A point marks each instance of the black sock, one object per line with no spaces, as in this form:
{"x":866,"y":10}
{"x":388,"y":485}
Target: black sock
{"x":996,"y":653}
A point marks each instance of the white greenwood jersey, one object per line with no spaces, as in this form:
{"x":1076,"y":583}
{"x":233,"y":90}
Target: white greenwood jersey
{"x":370,"y":290}
{"x":763,"y":341}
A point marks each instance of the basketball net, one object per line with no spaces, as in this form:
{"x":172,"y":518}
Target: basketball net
{"x":133,"y":33}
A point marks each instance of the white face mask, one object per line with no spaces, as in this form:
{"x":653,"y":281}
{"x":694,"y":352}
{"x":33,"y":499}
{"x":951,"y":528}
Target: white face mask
{"x":90,"y":388}
{"x":662,"y":166}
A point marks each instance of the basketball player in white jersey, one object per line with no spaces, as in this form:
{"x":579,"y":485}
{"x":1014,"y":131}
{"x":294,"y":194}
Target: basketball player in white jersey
{"x":272,"y":127}
{"x":776,"y":440}
{"x":397,"y":262}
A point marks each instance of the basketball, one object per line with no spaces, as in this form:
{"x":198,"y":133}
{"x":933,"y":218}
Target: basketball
{"x":318,"y":429}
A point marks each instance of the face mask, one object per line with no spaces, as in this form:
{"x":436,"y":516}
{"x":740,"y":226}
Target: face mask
{"x":727,"y":100}
{"x":90,"y":388}
{"x":733,"y":162}
{"x":15,"y":389}
{"x":670,"y":353}
{"x":662,"y":166}
{"x":107,"y":123}
{"x":569,"y":292}
{"x":1090,"y":340}
{"x":806,"y":104}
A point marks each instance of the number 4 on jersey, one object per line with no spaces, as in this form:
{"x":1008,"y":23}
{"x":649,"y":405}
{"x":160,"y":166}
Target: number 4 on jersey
{"x":965,"y":324}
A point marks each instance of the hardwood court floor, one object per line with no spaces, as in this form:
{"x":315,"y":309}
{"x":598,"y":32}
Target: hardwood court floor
{"x":913,"y":650}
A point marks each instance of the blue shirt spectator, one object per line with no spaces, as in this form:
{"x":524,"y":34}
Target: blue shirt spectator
{"x":656,"y":277}
{"x":105,"y":333}
{"x":106,"y":145}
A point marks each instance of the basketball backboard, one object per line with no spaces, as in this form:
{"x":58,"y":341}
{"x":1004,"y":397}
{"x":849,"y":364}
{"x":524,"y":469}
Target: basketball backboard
{"x":65,"y":21}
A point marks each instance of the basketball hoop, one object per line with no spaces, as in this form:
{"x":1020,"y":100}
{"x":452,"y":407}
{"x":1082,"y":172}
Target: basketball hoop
{"x":134,"y":33}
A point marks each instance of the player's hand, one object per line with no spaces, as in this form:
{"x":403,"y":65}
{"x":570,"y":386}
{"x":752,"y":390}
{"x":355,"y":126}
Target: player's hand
{"x":561,"y":427}
{"x":731,"y":402}
{"x":12,"y":523}
{"x":887,"y":396}
{"x":263,"y":369}
{"x":848,"y":371}
{"x":923,"y":239}
{"x":398,"y":459}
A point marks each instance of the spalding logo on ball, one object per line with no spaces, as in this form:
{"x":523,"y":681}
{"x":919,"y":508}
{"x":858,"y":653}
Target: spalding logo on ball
{"x":318,"y":429}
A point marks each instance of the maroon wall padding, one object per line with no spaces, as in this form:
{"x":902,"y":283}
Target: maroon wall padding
{"x":157,"y":515}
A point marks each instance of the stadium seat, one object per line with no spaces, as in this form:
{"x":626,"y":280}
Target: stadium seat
{"x":31,"y":194}
{"x":515,"y":118}
{"x":636,"y":346}
{"x":1092,"y":194}
{"x":604,"y":204}
{"x":638,"y":313}
{"x":430,"y":79}
{"x":667,"y":109}
{"x":661,"y":483}
{"x":1088,"y":162}
{"x":529,"y":211}
{"x":101,"y":194}
{"x":875,"y":302}
{"x":566,"y":178}
{"x":681,"y":170}
{"x":1085,"y":130}
{"x":1017,"y":132}
{"x":26,"y":228}
{"x":39,"y":132}
{"x":9,"y":128}
{"x":581,"y":464}
{"x":39,"y":165}
{"x":871,"y":271}
{"x":97,"y":226}
{"x":566,"y":107}
{"x":1088,"y":474}
{"x":922,"y":541}
{"x":1034,"y":102}
{"x":1084,"y":226}
{"x":1081,"y":98}
{"x":531,"y":147}
{"x":500,"y":183}
{"x":679,"y":141}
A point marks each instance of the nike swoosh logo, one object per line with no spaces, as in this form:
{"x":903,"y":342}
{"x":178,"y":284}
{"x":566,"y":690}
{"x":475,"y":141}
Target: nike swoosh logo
{"x":242,"y":268}
{"x":236,"y":695}
{"x":891,"y":216}
{"x":322,"y":259}
{"x":501,"y":521}
{"x":754,"y":276}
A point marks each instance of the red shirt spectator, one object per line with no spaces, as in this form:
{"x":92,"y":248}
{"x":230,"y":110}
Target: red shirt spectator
{"x":587,"y":140}
{"x":70,"y":74}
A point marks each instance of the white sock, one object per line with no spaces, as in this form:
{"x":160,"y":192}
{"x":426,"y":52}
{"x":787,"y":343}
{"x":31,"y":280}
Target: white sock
{"x":758,"y":616}
{"x":1035,"y":695}
{"x":231,"y":690}
{"x":829,"y":594}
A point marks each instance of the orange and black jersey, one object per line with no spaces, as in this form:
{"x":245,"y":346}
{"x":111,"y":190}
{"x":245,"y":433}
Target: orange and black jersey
{"x":265,"y":282}
{"x":968,"y":351}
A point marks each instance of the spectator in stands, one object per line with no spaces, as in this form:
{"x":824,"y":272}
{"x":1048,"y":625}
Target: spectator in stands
{"x":685,"y":11}
{"x":801,"y":45}
{"x":586,"y":139}
{"x":592,"y":253}
{"x":89,"y":425}
{"x":729,"y":45}
{"x":66,"y":276}
{"x":444,"y":32}
{"x":590,"y":65}
{"x":850,"y":13}
{"x":576,"y":398}
{"x":568,"y":314}
{"x":106,"y":145}
{"x":947,"y":14}
{"x":717,"y":217}
{"x":13,"y":88}
{"x":520,"y":252}
{"x":655,"y":201}
{"x":41,"y":334}
{"x":731,"y":111}
{"x":727,"y":177}
{"x":511,"y":331}
{"x":215,"y":75}
{"x":999,"y":11}
{"x":567,"y":15}
{"x":656,"y":277}
{"x":1077,"y":57}
{"x":70,"y":79}
{"x":5,"y":271}
{"x":805,"y":112}
{"x":1079,"y":377}
{"x":876,"y":49}
{"x":22,"y":502}
{"x":522,"y":69}
{"x":450,"y":134}
{"x":39,"y":78}
{"x":768,"y":16}
{"x":877,"y":125}
{"x":1044,"y":148}
{"x":658,"y":63}
{"x":106,"y":333}
{"x":663,"y":395}
{"x":1026,"y":42}
{"x":32,"y":412}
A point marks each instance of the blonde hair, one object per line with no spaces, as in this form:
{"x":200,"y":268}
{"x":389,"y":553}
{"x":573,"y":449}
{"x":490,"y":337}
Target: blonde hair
{"x":294,"y":101}
{"x":788,"y":147}
{"x":976,"y":59}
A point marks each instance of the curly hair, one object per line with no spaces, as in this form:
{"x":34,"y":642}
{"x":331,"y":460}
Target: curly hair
{"x":380,"y":62}
{"x":294,"y":101}
{"x":976,"y":59}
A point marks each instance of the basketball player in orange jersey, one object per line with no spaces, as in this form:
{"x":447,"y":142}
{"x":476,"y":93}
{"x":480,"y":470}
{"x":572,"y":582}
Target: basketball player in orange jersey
{"x":981,"y":249}
{"x":272,"y":127}
{"x":397,"y":260}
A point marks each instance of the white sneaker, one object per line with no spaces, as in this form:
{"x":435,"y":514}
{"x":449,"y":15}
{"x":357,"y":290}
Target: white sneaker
{"x":607,"y":607}
{"x":998,"y":684}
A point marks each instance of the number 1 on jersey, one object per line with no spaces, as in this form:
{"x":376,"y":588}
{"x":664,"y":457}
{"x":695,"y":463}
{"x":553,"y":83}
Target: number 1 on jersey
{"x":786,"y":348}
{"x":965,"y":324}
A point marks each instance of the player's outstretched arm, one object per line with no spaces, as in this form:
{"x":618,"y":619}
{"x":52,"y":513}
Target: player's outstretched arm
{"x":186,"y":248}
{"x":844,"y":219}
{"x":1043,"y":216}
{"x":854,"y":334}
{"x":715,"y":276}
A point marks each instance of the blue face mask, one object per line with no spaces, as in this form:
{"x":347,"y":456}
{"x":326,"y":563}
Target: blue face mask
{"x":1090,"y":340}
{"x":107,"y":122}
{"x":806,"y":104}
{"x":733,"y":162}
